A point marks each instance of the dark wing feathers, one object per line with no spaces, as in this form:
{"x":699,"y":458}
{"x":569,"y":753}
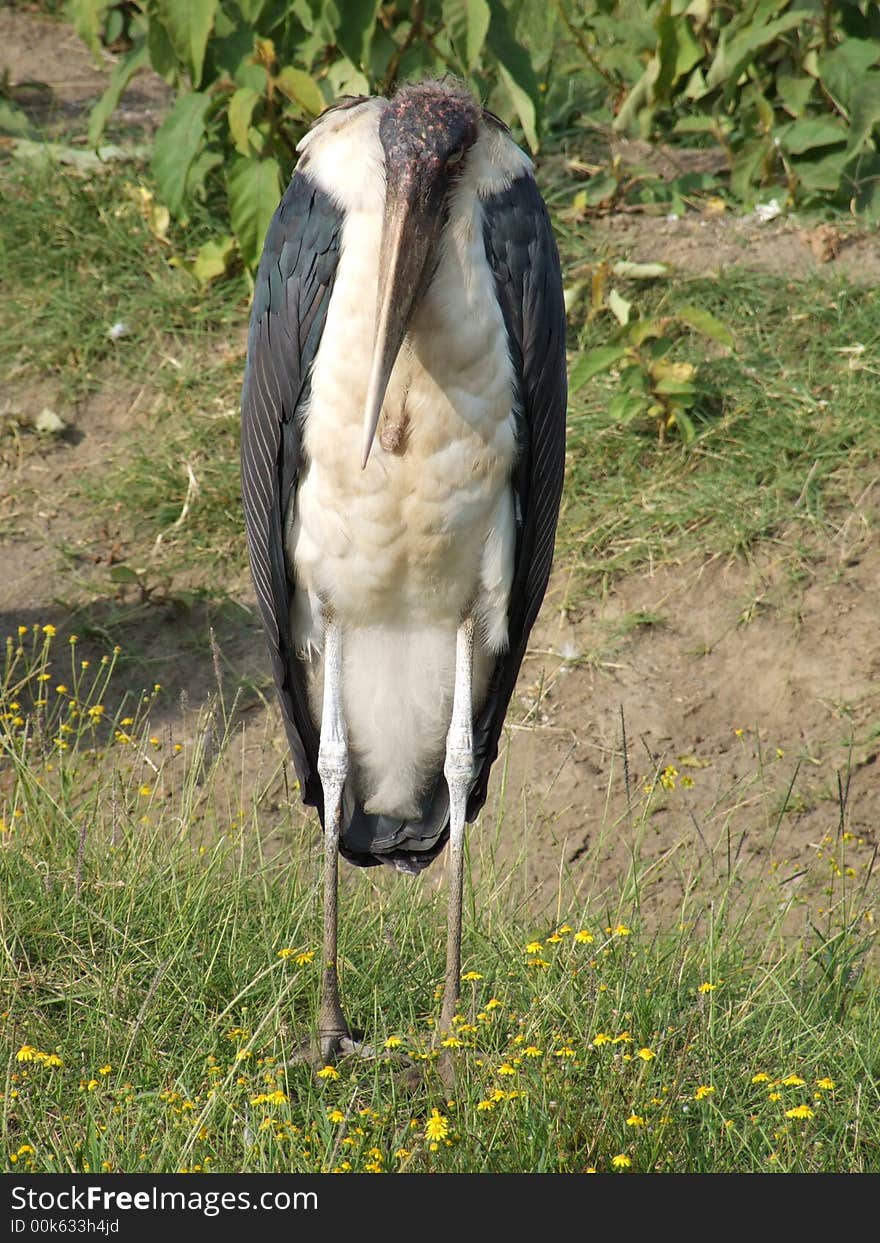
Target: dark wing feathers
{"x":524,"y":260}
{"x":291,"y":296}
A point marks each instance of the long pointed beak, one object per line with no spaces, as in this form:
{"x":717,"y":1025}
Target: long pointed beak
{"x":409,"y":239}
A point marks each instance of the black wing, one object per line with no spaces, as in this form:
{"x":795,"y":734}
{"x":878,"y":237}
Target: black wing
{"x":525,"y":262}
{"x":291,"y":296}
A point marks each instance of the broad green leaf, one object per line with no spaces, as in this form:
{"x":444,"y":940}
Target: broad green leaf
{"x":254,"y":188}
{"x":843,"y":68}
{"x":302,"y":88}
{"x":666,"y":56}
{"x":733,"y":55}
{"x":685,"y":426}
{"x":746,"y":166}
{"x":251,"y":10}
{"x":599,"y":189}
{"x":357,"y":24}
{"x":196,"y":179}
{"x":794,"y":92}
{"x":126,"y":68}
{"x":123,"y":574}
{"x":213,"y":259}
{"x":177,"y":144}
{"x":696,"y":125}
{"x":706,"y":323}
{"x":12,"y":119}
{"x":823,"y":176}
{"x":523,"y":104}
{"x":240,"y":111}
{"x":188,"y":26}
{"x":809,"y":133}
{"x":865,"y":111}
{"x":624,"y":407}
{"x":87,"y":17}
{"x":467,"y":22}
{"x":162,"y":54}
{"x":592,"y":363}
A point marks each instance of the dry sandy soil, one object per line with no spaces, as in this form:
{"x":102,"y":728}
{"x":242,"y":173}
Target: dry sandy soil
{"x":747,"y":672}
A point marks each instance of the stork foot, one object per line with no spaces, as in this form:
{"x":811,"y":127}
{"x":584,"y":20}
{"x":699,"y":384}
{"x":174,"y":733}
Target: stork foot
{"x":328,"y":1047}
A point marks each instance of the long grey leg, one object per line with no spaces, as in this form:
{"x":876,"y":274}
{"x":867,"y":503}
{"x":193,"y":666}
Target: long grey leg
{"x":332,"y":769}
{"x":459,"y":771}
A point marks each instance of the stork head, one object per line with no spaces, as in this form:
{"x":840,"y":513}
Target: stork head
{"x":426,"y":132}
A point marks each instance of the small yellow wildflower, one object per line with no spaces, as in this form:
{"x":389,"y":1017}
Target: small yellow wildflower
{"x":287,"y":952}
{"x":61,"y":689}
{"x":27,"y":1053}
{"x":328,"y":1072}
{"x":472,"y":975}
{"x":493,"y":1003}
{"x":799,"y":1111}
{"x":393,"y":1042}
{"x":583,"y":937}
{"x":534,"y":1051}
{"x":687,"y":783}
{"x":703,"y":1091}
{"x":826,"y":1084}
{"x":335,"y":1116}
{"x":793,"y":1081}
{"x":49,"y":631}
{"x":621,"y":1161}
{"x":635,"y":1120}
{"x":304,"y":958}
{"x":437,"y":1126}
{"x":564,"y":1051}
{"x":484,"y":1105}
{"x":505,"y":1069}
{"x":647,"y":1055}
{"x":534,"y":947}
{"x":706,"y":987}
{"x":145,"y":791}
{"x":105,"y":1070}
{"x":402,"y":1153}
{"x":451,"y":1042}
{"x":52,"y":1059}
{"x":621,"y":930}
{"x":774,"y":1096}
{"x":564,"y":930}
{"x":622,"y":1038}
{"x":601,"y":1038}
{"x":760,"y":1077}
{"x":91,"y":1085}
{"x":668,"y":776}
{"x":554,"y":939}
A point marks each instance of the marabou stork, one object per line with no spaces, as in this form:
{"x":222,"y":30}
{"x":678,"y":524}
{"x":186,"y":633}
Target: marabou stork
{"x":410,"y":286}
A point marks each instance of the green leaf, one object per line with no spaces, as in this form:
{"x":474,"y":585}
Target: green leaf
{"x":87,"y":17}
{"x":123,"y":574}
{"x":592,"y":363}
{"x":302,"y":88}
{"x":188,"y":27}
{"x":812,"y":132}
{"x":842,"y":69}
{"x":213,"y":259}
{"x":823,"y":176}
{"x":176,"y":145}
{"x":794,"y":92}
{"x":640,"y":271}
{"x":240,"y":112}
{"x":624,"y":407}
{"x":732,"y":56}
{"x":131,"y":62}
{"x":12,"y":119}
{"x":706,"y":323}
{"x":865,"y":111}
{"x":254,"y":188}
{"x":601,"y":188}
{"x":685,"y":426}
{"x":467,"y":22}
{"x":357,"y":24}
{"x":516,"y":72}
{"x":162,"y":56}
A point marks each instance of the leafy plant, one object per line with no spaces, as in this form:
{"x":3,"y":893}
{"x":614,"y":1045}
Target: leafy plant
{"x":251,"y":75}
{"x":652,"y":385}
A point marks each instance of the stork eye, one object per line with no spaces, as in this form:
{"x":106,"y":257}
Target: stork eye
{"x":454,"y":157}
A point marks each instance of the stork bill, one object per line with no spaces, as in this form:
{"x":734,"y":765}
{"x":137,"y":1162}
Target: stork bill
{"x":403,"y":440}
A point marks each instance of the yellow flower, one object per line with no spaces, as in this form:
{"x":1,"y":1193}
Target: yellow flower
{"x":635,"y":1120}
{"x":145,"y":791}
{"x":647,"y":1055}
{"x":621,"y":930}
{"x":493,"y":1003}
{"x":329,"y":1072}
{"x":564,"y":930}
{"x":471,"y":975}
{"x":799,"y":1111}
{"x":437,"y":1126}
{"x":601,"y":1038}
{"x":27,"y":1053}
{"x":706,"y":987}
{"x":538,"y":962}
{"x":760,"y":1077}
{"x":774,"y":1096}
{"x":49,"y":631}
{"x":584,"y":938}
{"x":703,"y":1091}
{"x":451,"y":1042}
{"x":105,"y":1070}
{"x":621,"y":1161}
{"x":534,"y":947}
{"x":52,"y":1059}
{"x":793,"y":1081}
{"x":623,"y":1038}
{"x":825,"y":1084}
{"x":61,"y":689}
{"x":564,"y":1051}
{"x":393,"y":1042}
{"x":305,"y":957}
{"x":534,"y":1051}
{"x":287,"y":952}
{"x":336,"y":1116}
{"x":667,"y":777}
{"x":483,"y":1105}
{"x":505,"y":1069}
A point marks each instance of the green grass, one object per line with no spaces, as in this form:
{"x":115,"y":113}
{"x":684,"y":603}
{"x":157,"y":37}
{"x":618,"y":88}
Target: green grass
{"x":158,"y":968}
